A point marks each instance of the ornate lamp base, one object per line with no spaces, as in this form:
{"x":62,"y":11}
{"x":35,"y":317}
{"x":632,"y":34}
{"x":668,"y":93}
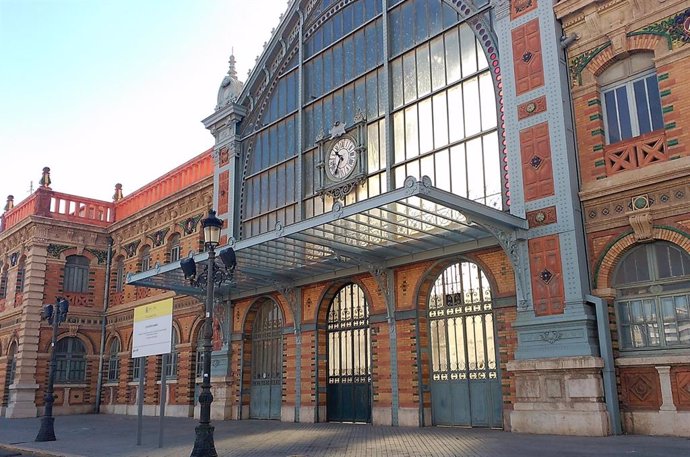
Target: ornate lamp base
{"x":203,"y":444}
{"x":47,"y":432}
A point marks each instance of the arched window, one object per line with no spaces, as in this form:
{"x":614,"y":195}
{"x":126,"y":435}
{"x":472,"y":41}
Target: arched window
{"x":145,"y":258}
{"x":120,"y":274}
{"x":653,"y":301}
{"x":19,"y":285}
{"x":171,"y":366}
{"x":71,"y":361}
{"x":630,"y":97}
{"x":3,"y":282}
{"x":175,"y":248}
{"x":76,"y":274}
{"x":114,"y":361}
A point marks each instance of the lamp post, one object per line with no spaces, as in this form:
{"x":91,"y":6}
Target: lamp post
{"x":54,"y":314}
{"x":212,"y":274}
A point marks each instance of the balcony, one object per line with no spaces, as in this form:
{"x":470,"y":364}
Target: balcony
{"x":636,"y":152}
{"x":55,"y":205}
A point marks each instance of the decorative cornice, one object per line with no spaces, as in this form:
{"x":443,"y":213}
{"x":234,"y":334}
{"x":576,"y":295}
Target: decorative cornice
{"x":580,"y":62}
{"x":676,"y":29}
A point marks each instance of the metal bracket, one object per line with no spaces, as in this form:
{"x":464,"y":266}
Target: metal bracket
{"x":291,"y":295}
{"x":514,"y":244}
{"x":383,"y":278}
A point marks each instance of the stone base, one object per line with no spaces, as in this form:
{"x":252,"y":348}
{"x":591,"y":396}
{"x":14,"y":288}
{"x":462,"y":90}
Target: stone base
{"x":562,"y":396}
{"x":287,"y":413}
{"x":665,"y":423}
{"x":408,"y":417}
{"x":381,"y":415}
{"x":22,"y":401}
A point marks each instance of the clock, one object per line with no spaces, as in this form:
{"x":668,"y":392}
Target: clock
{"x":342,"y":159}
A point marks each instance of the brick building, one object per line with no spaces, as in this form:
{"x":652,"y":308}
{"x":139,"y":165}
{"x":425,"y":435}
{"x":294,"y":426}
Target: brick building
{"x":427,"y":231}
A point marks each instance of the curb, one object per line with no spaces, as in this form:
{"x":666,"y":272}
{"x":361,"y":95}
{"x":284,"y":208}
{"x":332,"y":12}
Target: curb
{"x":34,"y":451}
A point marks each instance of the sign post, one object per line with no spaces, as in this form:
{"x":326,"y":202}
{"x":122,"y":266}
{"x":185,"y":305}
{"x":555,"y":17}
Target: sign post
{"x":152,"y":335}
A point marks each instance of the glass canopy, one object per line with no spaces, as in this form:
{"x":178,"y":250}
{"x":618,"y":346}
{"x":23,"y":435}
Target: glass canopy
{"x":415,"y":222}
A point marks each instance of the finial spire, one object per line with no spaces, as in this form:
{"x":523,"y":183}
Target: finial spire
{"x":232,"y":72}
{"x":10,"y":203}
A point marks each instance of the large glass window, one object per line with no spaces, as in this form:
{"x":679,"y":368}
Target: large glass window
{"x":439,"y":92}
{"x":114,"y":361}
{"x":653,"y":305}
{"x":137,"y":367}
{"x":76,"y":274}
{"x":71,"y":361}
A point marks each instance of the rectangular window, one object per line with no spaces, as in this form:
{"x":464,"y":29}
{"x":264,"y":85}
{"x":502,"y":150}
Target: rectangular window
{"x":632,"y":108}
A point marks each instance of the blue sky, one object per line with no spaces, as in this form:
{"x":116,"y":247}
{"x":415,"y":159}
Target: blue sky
{"x":107,"y":91}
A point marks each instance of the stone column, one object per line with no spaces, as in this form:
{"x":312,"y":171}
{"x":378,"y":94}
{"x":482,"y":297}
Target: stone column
{"x":22,"y":401}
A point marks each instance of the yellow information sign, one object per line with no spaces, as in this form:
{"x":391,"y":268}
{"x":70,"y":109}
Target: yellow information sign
{"x":152,"y":332}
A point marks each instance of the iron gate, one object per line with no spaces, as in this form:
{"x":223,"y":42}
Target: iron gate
{"x":349,"y":372}
{"x":267,"y":363}
{"x":465,"y":388}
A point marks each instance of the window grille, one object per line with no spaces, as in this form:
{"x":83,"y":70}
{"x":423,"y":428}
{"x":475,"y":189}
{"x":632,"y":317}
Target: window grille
{"x":114,"y":361}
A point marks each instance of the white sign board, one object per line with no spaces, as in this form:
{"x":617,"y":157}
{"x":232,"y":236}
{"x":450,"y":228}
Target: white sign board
{"x":152,"y":333}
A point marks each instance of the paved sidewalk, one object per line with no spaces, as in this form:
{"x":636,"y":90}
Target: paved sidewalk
{"x":109,"y":435}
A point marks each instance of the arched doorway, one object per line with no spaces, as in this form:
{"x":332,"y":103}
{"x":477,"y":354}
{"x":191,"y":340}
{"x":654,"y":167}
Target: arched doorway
{"x":267,"y":362}
{"x":465,"y":388}
{"x":349,"y":362}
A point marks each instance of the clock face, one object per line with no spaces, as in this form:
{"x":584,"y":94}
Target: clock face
{"x":342,"y":159}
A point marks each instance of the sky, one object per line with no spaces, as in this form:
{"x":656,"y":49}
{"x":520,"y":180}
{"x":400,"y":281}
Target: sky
{"x":114,"y":91}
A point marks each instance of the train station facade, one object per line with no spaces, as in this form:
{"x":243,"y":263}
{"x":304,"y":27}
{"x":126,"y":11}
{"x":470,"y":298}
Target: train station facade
{"x":465,"y":213}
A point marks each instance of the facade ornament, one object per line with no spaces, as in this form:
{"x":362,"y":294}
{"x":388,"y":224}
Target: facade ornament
{"x":45,"y":178}
{"x":231,"y":87}
{"x":117,"y":196}
{"x":383,"y":277}
{"x":55,"y":250}
{"x":551,"y":336}
{"x":337,"y":130}
{"x":642,"y":224}
{"x":10,"y":203}
{"x":290,"y":293}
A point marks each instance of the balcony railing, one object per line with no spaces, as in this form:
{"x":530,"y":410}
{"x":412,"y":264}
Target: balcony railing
{"x":635,"y":153}
{"x":55,"y":205}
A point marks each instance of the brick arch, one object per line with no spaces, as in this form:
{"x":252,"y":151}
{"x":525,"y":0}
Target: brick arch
{"x":250,"y":312}
{"x":634,"y":44}
{"x":114,"y":335}
{"x":615,"y":251}
{"x":327,"y":295}
{"x":88,"y":344}
{"x":82,"y":253}
{"x":427,"y":280}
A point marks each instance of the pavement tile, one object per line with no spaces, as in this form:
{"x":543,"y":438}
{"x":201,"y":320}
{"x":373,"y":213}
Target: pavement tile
{"x":111,"y":435}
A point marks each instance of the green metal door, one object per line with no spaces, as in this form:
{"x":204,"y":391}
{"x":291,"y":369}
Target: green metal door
{"x":349,"y":364}
{"x":267,"y":363}
{"x":465,"y":388}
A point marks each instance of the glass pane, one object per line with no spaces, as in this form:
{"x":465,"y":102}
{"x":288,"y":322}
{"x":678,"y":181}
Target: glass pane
{"x":411,"y":134}
{"x":469,"y":51}
{"x":426,"y":137}
{"x":410,"y":76}
{"x":423,"y":71}
{"x":397,"y":82}
{"x":438,"y":63}
{"x":612,"y":117}
{"x":471,"y":104}
{"x":456,"y":115}
{"x":452,"y":56}
{"x":655,"y":102}
{"x":488,"y":101}
{"x":642,"y":107}
{"x":440,"y":120}
{"x":624,"y":113}
{"x":633,"y":268}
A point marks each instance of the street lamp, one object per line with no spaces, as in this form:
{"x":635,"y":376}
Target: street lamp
{"x":54,"y":314}
{"x":211,"y":275}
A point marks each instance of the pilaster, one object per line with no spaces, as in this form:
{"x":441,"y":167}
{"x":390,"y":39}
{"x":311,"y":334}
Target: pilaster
{"x":22,"y":400}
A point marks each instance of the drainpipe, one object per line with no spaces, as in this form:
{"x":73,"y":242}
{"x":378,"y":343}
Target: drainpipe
{"x":106,"y":299}
{"x":609,"y":372}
